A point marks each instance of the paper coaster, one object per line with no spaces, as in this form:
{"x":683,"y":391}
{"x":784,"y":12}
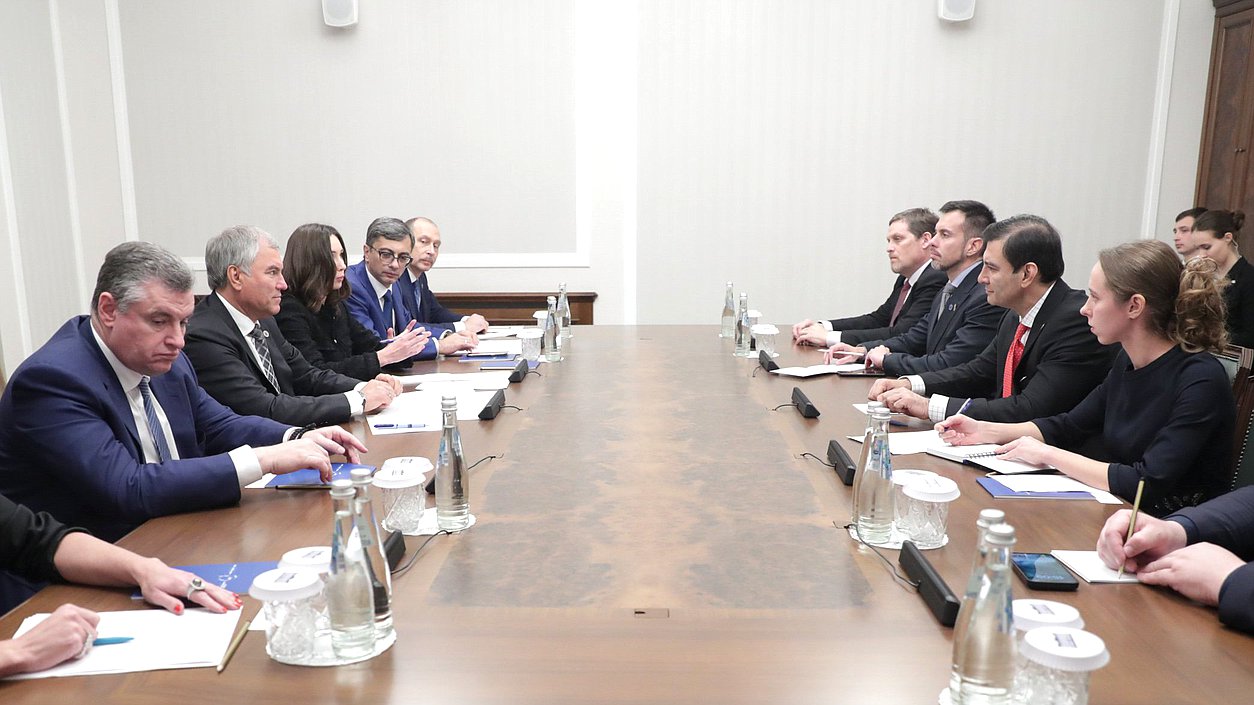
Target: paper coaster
{"x":427,"y":525}
{"x":324,"y":655}
{"x":894,"y":540}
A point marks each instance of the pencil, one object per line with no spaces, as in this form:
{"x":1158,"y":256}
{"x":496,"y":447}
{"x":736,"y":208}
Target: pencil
{"x":235,"y":642}
{"x":1136,"y":507}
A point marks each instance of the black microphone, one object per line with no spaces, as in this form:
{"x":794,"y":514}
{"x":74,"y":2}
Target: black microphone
{"x":932,"y":587}
{"x":520,"y":372}
{"x":807,"y":409}
{"x":765,"y":361}
{"x":493,"y":407}
{"x":841,"y":462}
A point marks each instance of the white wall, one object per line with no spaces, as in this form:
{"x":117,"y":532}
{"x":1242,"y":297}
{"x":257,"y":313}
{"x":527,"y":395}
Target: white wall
{"x":648,"y":150}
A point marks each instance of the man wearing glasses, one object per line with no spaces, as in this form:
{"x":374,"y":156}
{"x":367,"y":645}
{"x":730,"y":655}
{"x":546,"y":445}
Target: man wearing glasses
{"x":376,"y":301}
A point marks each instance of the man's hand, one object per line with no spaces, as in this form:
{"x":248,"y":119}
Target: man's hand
{"x":883,"y":385}
{"x":409,"y":343}
{"x":815,"y":335}
{"x":66,"y":634}
{"x":476,"y":323}
{"x":959,"y":430}
{"x":875,"y":357}
{"x":799,"y":329}
{"x":904,"y":401}
{"x":1153,"y":539}
{"x":378,"y":394}
{"x":842,"y":353}
{"x":336,"y":441}
{"x":1197,"y":572}
{"x":392,"y":382}
{"x":455,"y":343}
{"x":295,"y":455}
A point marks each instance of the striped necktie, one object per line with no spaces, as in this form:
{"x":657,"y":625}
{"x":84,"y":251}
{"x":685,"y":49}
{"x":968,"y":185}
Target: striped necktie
{"x":155,"y":429}
{"x":263,"y":352}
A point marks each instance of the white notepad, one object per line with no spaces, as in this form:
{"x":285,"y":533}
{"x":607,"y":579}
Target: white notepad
{"x":1087,"y":565}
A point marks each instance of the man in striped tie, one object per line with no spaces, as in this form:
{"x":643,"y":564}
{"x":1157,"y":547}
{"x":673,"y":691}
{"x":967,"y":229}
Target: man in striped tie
{"x":911,"y":297}
{"x":1043,"y":360}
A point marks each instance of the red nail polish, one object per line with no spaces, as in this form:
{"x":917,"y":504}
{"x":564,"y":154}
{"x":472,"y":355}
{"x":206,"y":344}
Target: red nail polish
{"x":178,"y":609}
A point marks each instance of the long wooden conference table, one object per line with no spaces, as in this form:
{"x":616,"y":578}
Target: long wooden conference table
{"x":651,"y":535}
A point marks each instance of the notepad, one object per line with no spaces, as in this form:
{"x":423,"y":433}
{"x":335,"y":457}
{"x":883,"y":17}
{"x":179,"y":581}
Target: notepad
{"x":815,"y":370}
{"x":1089,"y":566}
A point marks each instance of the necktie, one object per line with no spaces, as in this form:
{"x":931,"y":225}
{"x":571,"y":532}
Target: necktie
{"x":263,"y":352}
{"x":389,"y":311}
{"x":947,"y":292}
{"x":155,"y":429}
{"x":901,"y":302}
{"x":1012,"y":361}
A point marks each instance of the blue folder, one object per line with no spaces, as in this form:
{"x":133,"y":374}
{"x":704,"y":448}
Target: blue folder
{"x":308,"y":479}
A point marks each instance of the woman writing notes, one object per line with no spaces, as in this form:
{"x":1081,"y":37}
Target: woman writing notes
{"x":1165,"y":412}
{"x":314,"y":319}
{"x":1215,"y":233}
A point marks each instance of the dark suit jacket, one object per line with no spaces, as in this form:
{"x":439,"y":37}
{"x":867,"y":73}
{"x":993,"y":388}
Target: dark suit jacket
{"x":966,"y":329}
{"x":1239,"y":300}
{"x":423,"y":304}
{"x":1062,"y":362}
{"x":1228,"y":521}
{"x":875,"y":326}
{"x":228,"y":371}
{"x":69,"y":445}
{"x":364,"y":306}
{"x":331,"y":338}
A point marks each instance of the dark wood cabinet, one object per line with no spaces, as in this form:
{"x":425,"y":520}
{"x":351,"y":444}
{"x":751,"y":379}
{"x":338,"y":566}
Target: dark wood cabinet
{"x":1225,"y":177}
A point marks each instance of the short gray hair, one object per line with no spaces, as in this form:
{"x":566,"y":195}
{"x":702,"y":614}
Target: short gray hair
{"x":388,"y":229}
{"x":129,"y":267}
{"x":237,"y":245}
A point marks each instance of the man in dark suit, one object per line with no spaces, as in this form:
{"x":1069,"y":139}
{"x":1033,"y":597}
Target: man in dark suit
{"x":916,"y":286}
{"x":961,"y":322}
{"x":1044,"y":359}
{"x":377,"y":300}
{"x":105,"y":426}
{"x":240,"y":355}
{"x":1205,"y":553}
{"x":422,"y":303}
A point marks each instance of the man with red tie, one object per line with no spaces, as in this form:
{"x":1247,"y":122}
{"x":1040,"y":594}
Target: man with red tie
{"x":911,"y":298}
{"x":1043,"y":360}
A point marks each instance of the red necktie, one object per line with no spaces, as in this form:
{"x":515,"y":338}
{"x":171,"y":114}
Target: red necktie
{"x":1012,"y":361}
{"x":901,"y":302}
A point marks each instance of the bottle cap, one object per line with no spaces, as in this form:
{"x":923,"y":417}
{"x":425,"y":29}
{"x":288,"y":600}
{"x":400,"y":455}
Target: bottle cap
{"x":990,"y":516}
{"x":448,"y":403}
{"x":552,"y":300}
{"x":905,"y":476}
{"x":360,"y":476}
{"x":400,"y":473}
{"x":310,"y":559}
{"x":1030,"y":614}
{"x":342,"y":488}
{"x":1001,"y":535}
{"x":1065,"y":649}
{"x":933,"y":489}
{"x":281,"y":585}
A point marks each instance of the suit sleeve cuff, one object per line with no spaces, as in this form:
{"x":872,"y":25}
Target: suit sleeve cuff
{"x":247,"y":465}
{"x":938,"y":407}
{"x":356,"y":400}
{"x":916,"y":384}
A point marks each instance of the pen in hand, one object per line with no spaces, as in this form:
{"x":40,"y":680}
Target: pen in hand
{"x":1136,"y":507}
{"x":961,"y":410}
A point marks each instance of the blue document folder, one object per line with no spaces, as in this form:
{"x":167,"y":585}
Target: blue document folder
{"x":1000,"y":491}
{"x":236,"y":577}
{"x":309,"y":479}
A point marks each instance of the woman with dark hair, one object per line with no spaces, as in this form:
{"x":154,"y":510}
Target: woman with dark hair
{"x":314,"y":319}
{"x":1215,"y":234}
{"x":1165,"y":413}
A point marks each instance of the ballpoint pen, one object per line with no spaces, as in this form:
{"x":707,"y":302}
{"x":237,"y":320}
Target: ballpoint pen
{"x":1136,"y":507}
{"x":399,"y":425}
{"x":235,"y":642}
{"x":108,"y":640}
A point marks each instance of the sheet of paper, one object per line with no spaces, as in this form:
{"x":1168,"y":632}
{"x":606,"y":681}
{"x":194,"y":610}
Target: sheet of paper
{"x":498,"y":347}
{"x":907,"y":442}
{"x":478,"y":380}
{"x":494,"y":332}
{"x":862,"y":409}
{"x":814,"y":370}
{"x":421,"y":410}
{"x":1054,"y":483}
{"x":1007,"y":467}
{"x":161,"y":640}
{"x":1087,"y":565}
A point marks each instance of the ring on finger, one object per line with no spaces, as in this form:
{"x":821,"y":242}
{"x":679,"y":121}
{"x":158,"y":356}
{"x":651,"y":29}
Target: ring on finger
{"x":196,"y":585}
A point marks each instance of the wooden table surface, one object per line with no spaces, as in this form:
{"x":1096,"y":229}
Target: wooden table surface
{"x":650,"y":534}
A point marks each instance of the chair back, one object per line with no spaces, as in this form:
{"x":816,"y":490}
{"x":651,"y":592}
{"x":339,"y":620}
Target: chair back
{"x":1239,"y":361}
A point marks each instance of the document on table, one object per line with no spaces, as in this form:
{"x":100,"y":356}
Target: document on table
{"x":907,"y":442}
{"x":414,"y":412}
{"x":500,"y":332}
{"x":476,"y":380}
{"x":1041,"y":484}
{"x":161,"y":640}
{"x":814,"y":370}
{"x":1087,"y":565}
{"x":497,"y":347}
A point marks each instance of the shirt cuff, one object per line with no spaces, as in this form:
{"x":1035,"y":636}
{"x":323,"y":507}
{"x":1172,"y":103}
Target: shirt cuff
{"x":916,"y":384}
{"x":460,"y":326}
{"x":287,"y":435}
{"x":938,"y":407}
{"x":833,"y":338}
{"x":356,"y":400}
{"x":247,"y":464}
{"x":826,"y":324}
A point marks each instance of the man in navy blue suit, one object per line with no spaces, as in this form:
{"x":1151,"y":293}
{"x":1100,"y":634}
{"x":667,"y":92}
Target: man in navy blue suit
{"x":105,"y":426}
{"x":422,"y":303}
{"x":375,"y":298}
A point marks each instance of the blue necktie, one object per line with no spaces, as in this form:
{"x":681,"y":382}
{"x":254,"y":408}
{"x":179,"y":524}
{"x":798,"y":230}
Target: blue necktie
{"x":389,"y":312}
{"x":155,"y":429}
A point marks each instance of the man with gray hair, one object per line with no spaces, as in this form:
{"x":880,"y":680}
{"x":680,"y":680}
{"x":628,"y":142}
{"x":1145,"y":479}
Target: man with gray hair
{"x":241,"y":357}
{"x":105,"y":426}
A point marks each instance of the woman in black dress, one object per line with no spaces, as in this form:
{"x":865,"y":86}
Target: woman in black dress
{"x":1215,"y":233}
{"x":314,"y":319}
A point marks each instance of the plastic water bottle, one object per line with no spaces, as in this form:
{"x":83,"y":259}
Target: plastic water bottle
{"x":552,"y":341}
{"x":742,"y":326}
{"x":867,"y":436}
{"x":984,"y":659}
{"x":873,"y":503}
{"x":350,"y":599}
{"x":988,"y":517}
{"x":452,"y":505}
{"x":372,"y":546}
{"x":563,"y":311}
{"x":729,"y":314}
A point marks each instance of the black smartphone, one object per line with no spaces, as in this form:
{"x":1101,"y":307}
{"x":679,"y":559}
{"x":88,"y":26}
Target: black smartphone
{"x":1042,"y":571}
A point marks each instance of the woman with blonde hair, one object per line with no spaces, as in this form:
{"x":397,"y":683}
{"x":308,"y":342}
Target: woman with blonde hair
{"x":1165,"y":413}
{"x":1215,"y":234}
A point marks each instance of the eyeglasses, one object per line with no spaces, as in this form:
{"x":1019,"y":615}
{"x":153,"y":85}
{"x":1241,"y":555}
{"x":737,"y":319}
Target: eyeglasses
{"x":387,"y":256}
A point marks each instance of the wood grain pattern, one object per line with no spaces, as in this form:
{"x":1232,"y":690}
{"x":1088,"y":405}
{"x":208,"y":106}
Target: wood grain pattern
{"x":648,"y":471}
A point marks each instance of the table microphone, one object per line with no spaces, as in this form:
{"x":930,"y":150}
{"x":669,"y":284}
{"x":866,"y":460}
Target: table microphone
{"x":765,"y":361}
{"x":493,"y":407}
{"x":804,"y":405}
{"x":841,"y":462}
{"x":520,"y":371}
{"x":932,"y":587}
